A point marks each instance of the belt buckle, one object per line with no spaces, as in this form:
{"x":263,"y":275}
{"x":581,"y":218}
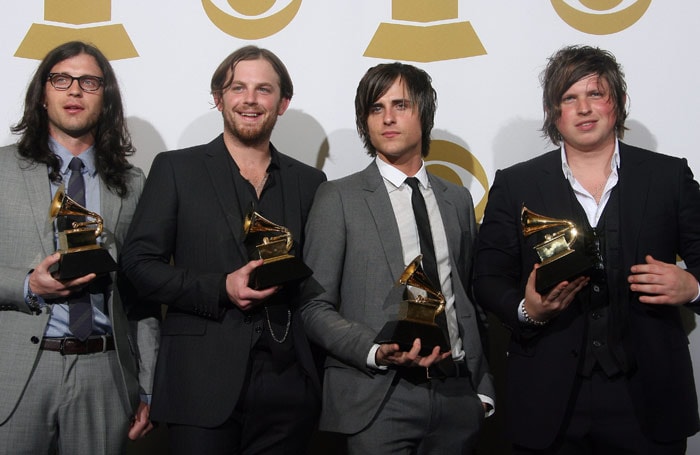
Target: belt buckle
{"x":433,"y":372}
{"x":62,"y":346}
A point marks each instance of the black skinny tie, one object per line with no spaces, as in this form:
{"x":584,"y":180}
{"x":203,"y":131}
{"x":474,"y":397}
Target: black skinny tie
{"x":427,"y":248}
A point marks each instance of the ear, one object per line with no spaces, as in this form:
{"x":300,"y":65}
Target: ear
{"x":284,"y":104}
{"x":217,"y":102}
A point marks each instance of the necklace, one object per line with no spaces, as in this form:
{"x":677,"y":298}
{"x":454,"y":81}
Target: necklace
{"x":286,"y":329}
{"x":598,"y":192}
{"x":259,"y":187}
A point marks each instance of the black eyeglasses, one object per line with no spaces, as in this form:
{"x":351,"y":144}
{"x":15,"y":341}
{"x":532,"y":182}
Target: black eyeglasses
{"x":63,"y":81}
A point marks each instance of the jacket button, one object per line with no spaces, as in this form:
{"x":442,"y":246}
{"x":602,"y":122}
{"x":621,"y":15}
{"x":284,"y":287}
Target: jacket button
{"x":34,"y":340}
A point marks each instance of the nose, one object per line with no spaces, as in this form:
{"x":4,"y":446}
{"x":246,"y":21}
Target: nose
{"x":250,"y":97}
{"x":584,"y":106}
{"x":74,"y":88}
{"x":389,"y":117}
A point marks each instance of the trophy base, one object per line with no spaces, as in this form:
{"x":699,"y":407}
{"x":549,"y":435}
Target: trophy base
{"x":77,"y":264}
{"x":403,"y":332}
{"x":279,"y":272}
{"x":565,"y":268}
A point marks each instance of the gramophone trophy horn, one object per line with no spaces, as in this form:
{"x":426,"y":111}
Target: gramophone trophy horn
{"x":272,"y":243}
{"x":417,"y":312}
{"x":78,"y":231}
{"x":559,"y":261}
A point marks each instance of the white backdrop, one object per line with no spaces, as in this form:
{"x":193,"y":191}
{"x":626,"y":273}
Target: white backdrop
{"x":489,"y":104}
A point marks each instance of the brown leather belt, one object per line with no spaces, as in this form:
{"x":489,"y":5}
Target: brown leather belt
{"x":73,"y":346}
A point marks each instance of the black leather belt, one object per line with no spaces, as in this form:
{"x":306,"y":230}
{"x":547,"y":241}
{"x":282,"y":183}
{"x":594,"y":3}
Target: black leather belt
{"x":441,"y":371}
{"x":73,"y":346}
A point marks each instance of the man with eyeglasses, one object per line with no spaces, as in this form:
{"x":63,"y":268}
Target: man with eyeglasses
{"x":599,"y":363}
{"x":70,"y":379}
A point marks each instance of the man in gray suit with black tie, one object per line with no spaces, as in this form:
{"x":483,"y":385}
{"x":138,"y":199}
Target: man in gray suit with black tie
{"x":362,"y":232}
{"x":70,"y":382}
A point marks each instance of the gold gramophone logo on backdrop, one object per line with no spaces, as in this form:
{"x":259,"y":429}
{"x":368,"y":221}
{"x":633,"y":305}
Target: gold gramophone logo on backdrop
{"x":435,"y":34}
{"x":251,"y":26}
{"x":606,"y":16}
{"x":455,"y":164}
{"x":79,"y":18}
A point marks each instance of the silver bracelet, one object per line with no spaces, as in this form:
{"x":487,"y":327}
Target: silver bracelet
{"x":529,"y":320}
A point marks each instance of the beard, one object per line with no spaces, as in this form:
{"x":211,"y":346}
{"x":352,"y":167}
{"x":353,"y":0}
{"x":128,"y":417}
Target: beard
{"x":251,"y":135}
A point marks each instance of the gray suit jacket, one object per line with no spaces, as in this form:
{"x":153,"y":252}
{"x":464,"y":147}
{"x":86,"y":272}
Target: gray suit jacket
{"x":353,"y":247}
{"x":26,"y":238}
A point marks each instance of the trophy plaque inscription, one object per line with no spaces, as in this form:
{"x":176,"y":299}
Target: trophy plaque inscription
{"x":559,"y":262}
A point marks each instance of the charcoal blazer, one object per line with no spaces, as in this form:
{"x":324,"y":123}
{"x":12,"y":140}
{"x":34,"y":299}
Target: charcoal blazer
{"x":353,"y":246}
{"x":659,"y":215}
{"x":186,"y":236}
{"x":26,"y":238}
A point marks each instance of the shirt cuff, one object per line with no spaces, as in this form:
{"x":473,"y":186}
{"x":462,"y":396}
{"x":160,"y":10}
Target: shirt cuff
{"x":491,"y":404}
{"x":371,"y":359}
{"x":697,"y":297}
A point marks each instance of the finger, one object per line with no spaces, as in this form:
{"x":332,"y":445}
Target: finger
{"x":650,"y":260}
{"x":80,"y":281}
{"x":415,"y":349}
{"x":49,"y":261}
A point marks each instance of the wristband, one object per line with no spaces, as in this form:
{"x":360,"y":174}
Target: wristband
{"x":528,"y":319}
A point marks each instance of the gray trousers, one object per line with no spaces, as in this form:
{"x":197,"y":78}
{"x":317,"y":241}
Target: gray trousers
{"x":71,"y":405}
{"x":440,"y":417}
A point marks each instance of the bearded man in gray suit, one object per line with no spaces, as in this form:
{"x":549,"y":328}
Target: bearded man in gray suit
{"x":63,"y":391}
{"x":361,"y":234}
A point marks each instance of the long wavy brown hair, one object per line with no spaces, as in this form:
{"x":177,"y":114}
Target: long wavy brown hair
{"x":112,"y":139}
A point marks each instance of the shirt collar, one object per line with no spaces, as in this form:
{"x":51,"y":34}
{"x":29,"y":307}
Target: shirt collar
{"x":614,"y":162}
{"x":396,"y":177}
{"x":88,"y":157}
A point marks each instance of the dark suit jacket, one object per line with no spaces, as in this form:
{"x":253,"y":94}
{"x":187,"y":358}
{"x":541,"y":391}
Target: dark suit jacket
{"x":355,"y":251}
{"x":660,"y":215}
{"x":189,"y":212}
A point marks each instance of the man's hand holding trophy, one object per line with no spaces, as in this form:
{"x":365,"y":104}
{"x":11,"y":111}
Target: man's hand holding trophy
{"x":417,"y":312}
{"x":558,"y":261}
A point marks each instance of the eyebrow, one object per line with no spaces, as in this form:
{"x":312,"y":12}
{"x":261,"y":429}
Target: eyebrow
{"x":394,"y":102}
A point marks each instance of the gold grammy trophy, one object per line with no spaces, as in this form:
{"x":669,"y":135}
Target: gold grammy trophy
{"x":272,"y":243}
{"x":77,"y":242}
{"x":559,"y":262}
{"x":416,"y":312}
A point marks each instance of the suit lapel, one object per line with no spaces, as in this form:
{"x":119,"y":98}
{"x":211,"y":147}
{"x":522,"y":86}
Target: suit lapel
{"x":450,"y":219}
{"x":39,"y":190}
{"x":219,"y":169}
{"x":381,"y":210}
{"x":291,"y":198}
{"x":633,"y":193}
{"x":554,"y":189}
{"x":110,"y":206}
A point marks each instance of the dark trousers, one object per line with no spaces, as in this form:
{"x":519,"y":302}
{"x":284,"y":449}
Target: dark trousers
{"x":276,"y":414}
{"x":603,"y":422}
